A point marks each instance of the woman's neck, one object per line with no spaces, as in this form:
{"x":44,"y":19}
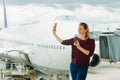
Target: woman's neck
{"x":83,"y":37}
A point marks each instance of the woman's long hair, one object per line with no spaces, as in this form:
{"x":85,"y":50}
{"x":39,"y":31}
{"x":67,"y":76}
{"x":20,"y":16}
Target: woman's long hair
{"x":85,"y":26}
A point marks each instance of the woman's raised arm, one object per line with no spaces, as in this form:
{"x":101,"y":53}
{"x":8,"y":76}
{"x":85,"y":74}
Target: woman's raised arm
{"x":54,"y":33}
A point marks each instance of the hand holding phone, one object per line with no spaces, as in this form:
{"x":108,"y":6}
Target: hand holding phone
{"x":54,"y":28}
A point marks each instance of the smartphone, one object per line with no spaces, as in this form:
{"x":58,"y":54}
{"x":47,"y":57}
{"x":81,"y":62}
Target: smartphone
{"x":55,"y":25}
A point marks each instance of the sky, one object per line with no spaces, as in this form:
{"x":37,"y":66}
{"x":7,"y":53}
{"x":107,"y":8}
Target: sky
{"x":69,"y":4}
{"x":91,"y":11}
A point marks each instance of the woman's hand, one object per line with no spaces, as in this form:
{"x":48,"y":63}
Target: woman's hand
{"x":77,"y":44}
{"x":54,"y":28}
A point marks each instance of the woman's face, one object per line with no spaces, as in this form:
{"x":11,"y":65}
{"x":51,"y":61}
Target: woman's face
{"x":81,"y":30}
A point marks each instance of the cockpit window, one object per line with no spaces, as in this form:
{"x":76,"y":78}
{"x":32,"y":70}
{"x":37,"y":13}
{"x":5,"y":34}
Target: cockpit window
{"x":65,"y":18}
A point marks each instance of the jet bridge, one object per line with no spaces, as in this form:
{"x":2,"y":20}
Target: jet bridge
{"x":110,"y":46}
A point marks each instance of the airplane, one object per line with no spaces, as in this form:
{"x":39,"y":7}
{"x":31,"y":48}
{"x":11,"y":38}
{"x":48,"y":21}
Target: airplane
{"x":33,"y":43}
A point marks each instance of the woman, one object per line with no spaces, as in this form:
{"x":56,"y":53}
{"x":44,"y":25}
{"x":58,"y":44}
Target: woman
{"x":82,"y":49}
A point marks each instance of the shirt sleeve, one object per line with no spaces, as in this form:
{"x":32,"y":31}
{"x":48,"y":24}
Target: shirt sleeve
{"x":91,"y":47}
{"x":68,"y":42}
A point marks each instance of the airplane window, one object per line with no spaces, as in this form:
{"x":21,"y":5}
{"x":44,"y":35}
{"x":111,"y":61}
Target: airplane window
{"x":54,"y":46}
{"x":37,"y":45}
{"x":60,"y":47}
{"x":51,"y":46}
{"x":28,"y":43}
{"x":57,"y":47}
{"x":45,"y":46}
{"x":31,"y":44}
{"x":48,"y":46}
{"x":64,"y":47}
{"x":65,"y":18}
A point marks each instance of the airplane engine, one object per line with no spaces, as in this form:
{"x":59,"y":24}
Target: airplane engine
{"x":95,"y":61}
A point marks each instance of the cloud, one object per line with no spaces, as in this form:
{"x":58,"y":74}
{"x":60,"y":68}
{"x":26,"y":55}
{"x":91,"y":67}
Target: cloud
{"x":97,"y":14}
{"x":84,"y":12}
{"x":17,"y":14}
{"x":68,"y":4}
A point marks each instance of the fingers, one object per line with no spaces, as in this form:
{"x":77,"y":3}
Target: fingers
{"x":76,"y":42}
{"x":54,"y":28}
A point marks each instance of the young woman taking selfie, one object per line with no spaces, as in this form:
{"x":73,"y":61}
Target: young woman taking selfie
{"x":82,"y":49}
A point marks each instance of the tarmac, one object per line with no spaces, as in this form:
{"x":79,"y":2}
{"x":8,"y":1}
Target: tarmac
{"x":105,"y":71}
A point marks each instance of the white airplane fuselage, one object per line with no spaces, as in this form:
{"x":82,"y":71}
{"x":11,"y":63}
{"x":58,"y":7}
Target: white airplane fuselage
{"x":45,"y":53}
